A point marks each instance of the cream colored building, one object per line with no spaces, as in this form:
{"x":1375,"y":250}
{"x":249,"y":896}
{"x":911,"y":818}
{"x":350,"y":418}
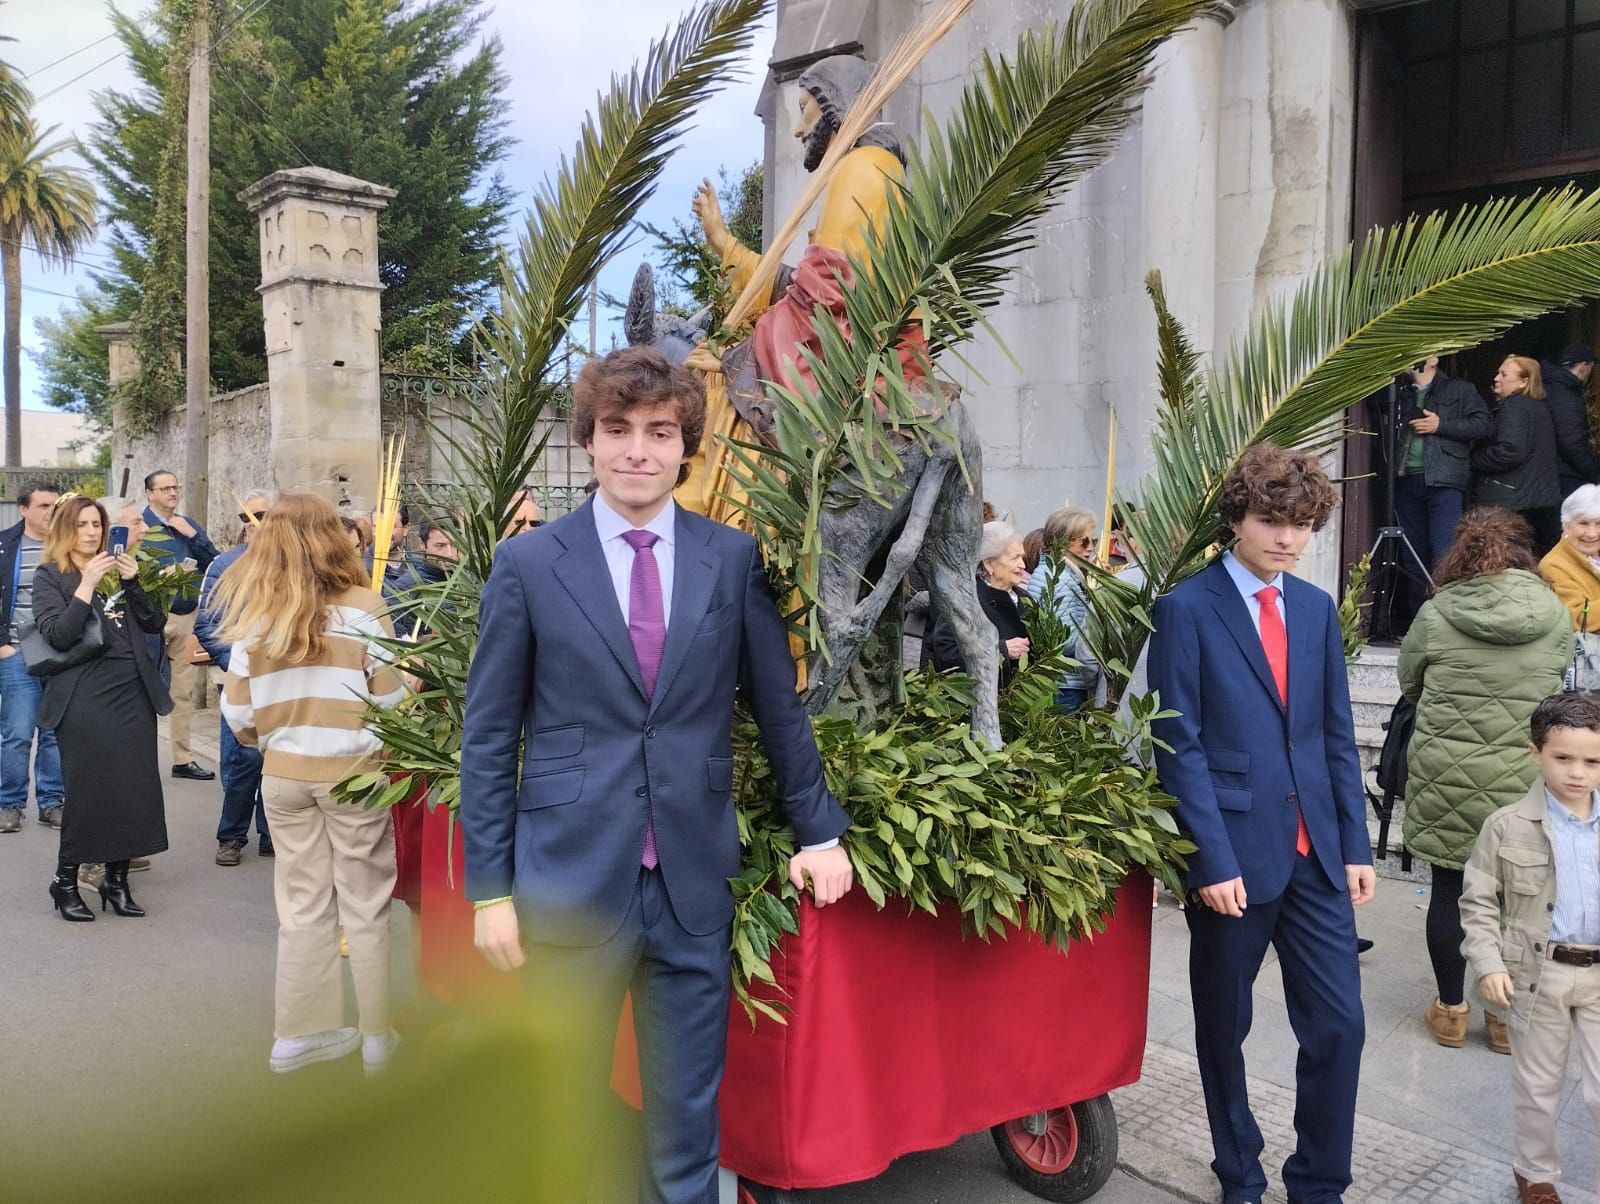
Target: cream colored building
{"x":56,"y":439}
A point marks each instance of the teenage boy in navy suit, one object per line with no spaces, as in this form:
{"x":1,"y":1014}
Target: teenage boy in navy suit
{"x":1263,"y":764}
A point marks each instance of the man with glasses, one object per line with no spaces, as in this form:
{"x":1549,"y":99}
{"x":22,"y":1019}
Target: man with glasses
{"x":21,"y":546}
{"x":239,"y":764}
{"x":181,"y":541}
{"x":524,"y":513}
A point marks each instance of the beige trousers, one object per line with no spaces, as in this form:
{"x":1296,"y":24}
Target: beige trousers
{"x":1565,"y":1013}
{"x":187,"y":682}
{"x":335,"y":865}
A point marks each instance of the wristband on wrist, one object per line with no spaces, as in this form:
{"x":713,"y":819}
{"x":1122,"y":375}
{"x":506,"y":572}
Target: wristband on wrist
{"x":482,"y":903}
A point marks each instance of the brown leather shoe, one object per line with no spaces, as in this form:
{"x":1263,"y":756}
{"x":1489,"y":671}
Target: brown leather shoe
{"x":1499,"y":1038}
{"x":1448,"y":1025}
{"x":1536,"y":1193}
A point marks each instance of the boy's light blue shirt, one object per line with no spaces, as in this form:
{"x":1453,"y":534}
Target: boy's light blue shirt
{"x":1575,"y":844}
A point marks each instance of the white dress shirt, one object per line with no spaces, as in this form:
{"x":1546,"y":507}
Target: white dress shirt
{"x":611,"y":527}
{"x":1249,"y":585}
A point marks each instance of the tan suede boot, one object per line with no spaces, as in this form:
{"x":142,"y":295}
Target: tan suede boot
{"x":1499,"y":1038}
{"x":1448,"y":1024}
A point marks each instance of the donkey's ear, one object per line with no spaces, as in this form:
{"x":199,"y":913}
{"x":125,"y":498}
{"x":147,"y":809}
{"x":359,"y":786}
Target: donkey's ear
{"x":639,"y":322}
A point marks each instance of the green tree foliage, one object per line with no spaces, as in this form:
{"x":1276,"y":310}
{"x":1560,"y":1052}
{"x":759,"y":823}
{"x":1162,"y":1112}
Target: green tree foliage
{"x":408,"y":95}
{"x":71,"y":357}
{"x":689,"y":276}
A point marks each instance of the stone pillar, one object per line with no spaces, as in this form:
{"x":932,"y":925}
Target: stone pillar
{"x":1180,"y":128}
{"x":319,"y":299}
{"x":122,"y":364}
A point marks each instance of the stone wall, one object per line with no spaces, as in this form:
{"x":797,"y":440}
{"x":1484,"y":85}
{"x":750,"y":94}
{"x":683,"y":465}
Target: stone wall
{"x":241,"y":441}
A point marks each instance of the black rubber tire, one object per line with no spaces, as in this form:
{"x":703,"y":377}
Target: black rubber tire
{"x":760,"y":1193}
{"x":1090,"y":1167}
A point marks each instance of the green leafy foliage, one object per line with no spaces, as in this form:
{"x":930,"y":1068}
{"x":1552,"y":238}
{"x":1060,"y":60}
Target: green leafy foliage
{"x":1035,"y":835}
{"x":690,"y":276}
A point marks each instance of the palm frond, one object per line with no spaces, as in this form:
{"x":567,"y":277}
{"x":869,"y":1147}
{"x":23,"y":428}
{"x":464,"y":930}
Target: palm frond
{"x":1429,"y":286}
{"x":1025,"y":129}
{"x":579,"y":219}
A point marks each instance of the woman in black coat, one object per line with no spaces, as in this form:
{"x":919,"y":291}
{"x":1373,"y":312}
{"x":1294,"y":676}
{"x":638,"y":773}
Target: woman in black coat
{"x":102,"y":711}
{"x":1519,"y":468}
{"x":1001,"y":573}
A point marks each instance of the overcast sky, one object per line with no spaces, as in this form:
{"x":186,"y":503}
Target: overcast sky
{"x":557,"y":56}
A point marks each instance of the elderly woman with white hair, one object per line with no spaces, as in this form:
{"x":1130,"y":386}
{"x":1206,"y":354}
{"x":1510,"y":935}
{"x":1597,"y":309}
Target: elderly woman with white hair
{"x":1002,"y":572}
{"x":1572,"y":567}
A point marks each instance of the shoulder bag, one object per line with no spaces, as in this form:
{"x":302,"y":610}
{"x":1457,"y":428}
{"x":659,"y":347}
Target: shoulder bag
{"x":44,"y":659}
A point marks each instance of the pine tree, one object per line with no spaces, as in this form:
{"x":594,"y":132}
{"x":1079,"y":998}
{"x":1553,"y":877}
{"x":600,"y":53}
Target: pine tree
{"x":408,"y":95}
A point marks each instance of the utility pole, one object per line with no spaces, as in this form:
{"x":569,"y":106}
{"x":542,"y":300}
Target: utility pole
{"x":197,"y":327}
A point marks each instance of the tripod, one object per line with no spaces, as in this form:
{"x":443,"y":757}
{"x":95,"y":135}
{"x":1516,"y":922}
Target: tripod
{"x":1393,"y":555}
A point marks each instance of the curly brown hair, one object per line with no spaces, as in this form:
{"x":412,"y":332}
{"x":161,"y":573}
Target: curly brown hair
{"x":1280,"y":485}
{"x":1489,"y":540}
{"x":633,"y":377}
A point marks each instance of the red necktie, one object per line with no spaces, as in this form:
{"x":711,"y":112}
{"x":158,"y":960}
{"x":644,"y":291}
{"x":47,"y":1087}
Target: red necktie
{"x":1275,"y":643}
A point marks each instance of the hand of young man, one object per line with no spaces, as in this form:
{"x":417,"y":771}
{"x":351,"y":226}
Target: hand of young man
{"x":829,"y":870}
{"x":1225,"y":898}
{"x":1427,"y":424}
{"x":1497,"y":989}
{"x":497,"y":936}
{"x":1362,"y":882}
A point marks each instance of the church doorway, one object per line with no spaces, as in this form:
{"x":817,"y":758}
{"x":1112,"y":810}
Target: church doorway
{"x":1458,"y":102}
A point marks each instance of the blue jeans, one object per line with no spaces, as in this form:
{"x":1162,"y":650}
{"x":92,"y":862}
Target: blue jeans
{"x":240,"y":768}
{"x":1071,"y":698}
{"x":19,"y":722}
{"x":1428,"y":516}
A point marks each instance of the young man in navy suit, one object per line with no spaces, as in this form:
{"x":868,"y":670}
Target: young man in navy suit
{"x":1263,"y":764}
{"x":597,"y":763}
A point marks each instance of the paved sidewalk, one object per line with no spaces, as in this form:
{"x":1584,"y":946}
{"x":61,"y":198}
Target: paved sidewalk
{"x":1433,"y":1124}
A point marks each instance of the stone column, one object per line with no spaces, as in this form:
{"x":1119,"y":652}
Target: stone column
{"x":122,"y":364}
{"x":319,"y":298}
{"x":1180,"y":128}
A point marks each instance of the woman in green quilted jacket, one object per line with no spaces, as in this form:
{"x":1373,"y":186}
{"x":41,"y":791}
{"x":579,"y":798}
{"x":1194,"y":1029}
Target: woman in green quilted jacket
{"x":1491,"y":642}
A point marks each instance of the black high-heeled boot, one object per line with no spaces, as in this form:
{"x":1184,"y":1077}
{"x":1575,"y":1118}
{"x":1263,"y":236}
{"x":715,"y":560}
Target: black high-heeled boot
{"x":64,"y":894}
{"x":114,"y":891}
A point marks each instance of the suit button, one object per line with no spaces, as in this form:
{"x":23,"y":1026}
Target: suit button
{"x":650,"y":733}
{"x":642,"y":791}
{"x":1293,"y":800}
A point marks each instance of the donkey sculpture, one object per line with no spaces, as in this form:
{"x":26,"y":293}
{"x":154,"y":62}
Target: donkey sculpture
{"x":934,"y":526}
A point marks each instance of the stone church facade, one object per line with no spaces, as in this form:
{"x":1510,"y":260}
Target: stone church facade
{"x":1267,"y":140}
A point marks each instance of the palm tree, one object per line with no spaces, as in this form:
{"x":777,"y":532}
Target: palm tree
{"x":45,"y":206}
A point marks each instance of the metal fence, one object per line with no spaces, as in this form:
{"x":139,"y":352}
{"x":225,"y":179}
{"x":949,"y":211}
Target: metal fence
{"x":74,"y":480}
{"x":427,"y":409}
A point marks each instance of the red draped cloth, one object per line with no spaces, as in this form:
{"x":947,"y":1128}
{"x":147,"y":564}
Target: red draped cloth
{"x":822,"y":277}
{"x":904,"y":1035}
{"x":453,"y":970}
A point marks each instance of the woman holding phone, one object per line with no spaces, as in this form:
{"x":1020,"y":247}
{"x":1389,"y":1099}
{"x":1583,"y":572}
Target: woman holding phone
{"x":117,"y":810}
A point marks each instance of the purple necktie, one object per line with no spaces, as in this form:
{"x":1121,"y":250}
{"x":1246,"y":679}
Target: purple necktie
{"x":647,"y":628}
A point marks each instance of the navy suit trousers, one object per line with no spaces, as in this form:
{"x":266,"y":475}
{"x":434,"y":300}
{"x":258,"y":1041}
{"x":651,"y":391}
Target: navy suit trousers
{"x":681,"y":988}
{"x":1312,"y":927}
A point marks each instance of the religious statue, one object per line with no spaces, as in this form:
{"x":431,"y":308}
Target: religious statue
{"x":934,"y":525}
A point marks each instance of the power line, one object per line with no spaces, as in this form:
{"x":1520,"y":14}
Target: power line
{"x":69,"y":55}
{"x":34,"y":288}
{"x":265,"y":116}
{"x":77,"y":77}
{"x":227,"y":33}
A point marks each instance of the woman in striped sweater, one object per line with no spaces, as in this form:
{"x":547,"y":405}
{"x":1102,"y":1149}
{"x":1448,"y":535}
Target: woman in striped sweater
{"x":305,"y":663}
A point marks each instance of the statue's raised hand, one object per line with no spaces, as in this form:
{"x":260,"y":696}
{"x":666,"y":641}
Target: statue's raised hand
{"x":709,"y":210}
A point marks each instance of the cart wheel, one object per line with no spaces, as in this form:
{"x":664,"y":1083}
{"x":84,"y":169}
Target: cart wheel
{"x":751,"y":1192}
{"x":1065,"y":1154}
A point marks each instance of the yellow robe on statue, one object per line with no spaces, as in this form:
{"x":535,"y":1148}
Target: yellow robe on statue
{"x":856,"y":200}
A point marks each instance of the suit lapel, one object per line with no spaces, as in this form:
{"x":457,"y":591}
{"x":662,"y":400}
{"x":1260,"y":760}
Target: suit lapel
{"x":1304,"y":625}
{"x":1235,"y":615}
{"x":583,"y":572}
{"x":694,"y":575}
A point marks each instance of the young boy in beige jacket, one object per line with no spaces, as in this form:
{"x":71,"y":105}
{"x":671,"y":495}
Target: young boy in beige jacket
{"x":1530,"y":907}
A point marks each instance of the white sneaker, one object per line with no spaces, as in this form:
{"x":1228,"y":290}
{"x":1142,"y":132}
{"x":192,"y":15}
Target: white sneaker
{"x":376,"y":1052}
{"x":291,"y":1053}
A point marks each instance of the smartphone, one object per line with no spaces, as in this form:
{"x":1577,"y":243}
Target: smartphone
{"x":119,"y":540}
